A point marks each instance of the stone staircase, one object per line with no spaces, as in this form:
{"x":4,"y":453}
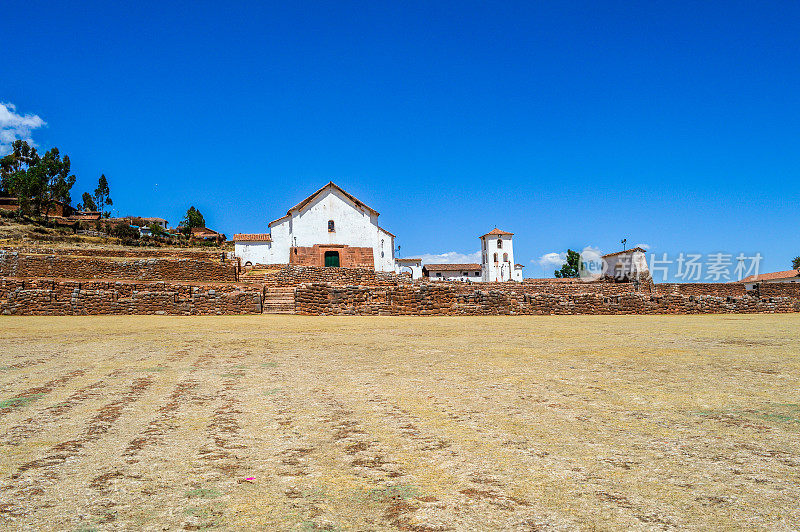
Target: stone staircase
{"x":278,"y":301}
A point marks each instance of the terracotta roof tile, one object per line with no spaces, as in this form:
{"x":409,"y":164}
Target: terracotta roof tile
{"x":252,"y":237}
{"x":497,"y":231}
{"x":788,"y":274}
{"x":387,"y":232}
{"x":452,"y":267}
{"x":626,"y":251}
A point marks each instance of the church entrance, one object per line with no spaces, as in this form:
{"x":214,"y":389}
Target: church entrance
{"x":331,"y":259}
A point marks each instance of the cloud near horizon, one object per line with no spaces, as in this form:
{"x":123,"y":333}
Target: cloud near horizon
{"x":451,"y":257}
{"x":555,"y":260}
{"x":14,"y":126}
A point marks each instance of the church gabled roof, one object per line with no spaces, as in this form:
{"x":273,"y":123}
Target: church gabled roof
{"x":451,"y":267}
{"x":632,"y":250}
{"x":252,"y":237}
{"x":331,"y":184}
{"x":497,"y":231}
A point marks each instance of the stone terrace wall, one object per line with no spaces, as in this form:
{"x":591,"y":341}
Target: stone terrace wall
{"x":297,"y":275}
{"x":14,"y":264}
{"x":143,"y":253}
{"x":602,"y":287}
{"x":779,"y":290}
{"x":66,"y":297}
{"x":702,"y":289}
{"x":436,"y":299}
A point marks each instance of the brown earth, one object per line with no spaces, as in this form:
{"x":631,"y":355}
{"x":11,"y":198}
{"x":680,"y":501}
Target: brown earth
{"x":372,"y":423}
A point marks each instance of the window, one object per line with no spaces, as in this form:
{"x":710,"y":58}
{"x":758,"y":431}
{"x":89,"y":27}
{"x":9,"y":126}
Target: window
{"x":381,"y":244}
{"x":495,"y":257}
{"x":331,"y":226}
{"x":438,"y":274}
{"x":499,"y":243}
{"x":465,"y":273}
{"x":381,"y":254}
{"x":477,"y":274}
{"x":505,"y":257}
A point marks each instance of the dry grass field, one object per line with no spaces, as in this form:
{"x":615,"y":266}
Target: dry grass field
{"x":301,"y":423}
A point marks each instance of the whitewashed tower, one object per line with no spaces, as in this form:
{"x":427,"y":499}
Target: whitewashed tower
{"x":497,"y":257}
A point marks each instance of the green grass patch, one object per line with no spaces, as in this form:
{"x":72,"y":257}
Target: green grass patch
{"x":15,"y":402}
{"x":203,"y":493}
{"x":154,"y":369}
{"x":273,"y":391}
{"x":393,"y":493}
{"x":269,"y":364}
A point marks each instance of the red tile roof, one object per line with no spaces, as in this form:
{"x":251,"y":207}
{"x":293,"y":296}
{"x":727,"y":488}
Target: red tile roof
{"x":408,"y":260}
{"x":626,"y":251}
{"x":252,"y":237}
{"x":452,"y":267}
{"x":788,"y":274}
{"x":497,"y":231}
{"x":387,"y":232}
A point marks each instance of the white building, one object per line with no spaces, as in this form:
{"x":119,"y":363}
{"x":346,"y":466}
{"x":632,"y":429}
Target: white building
{"x":329,"y":228}
{"x":627,"y":265}
{"x":788,"y":276}
{"x":497,"y":257}
{"x":412,"y":266}
{"x":453,"y":272}
{"x":497,"y":263}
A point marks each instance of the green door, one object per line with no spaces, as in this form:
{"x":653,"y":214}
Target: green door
{"x":332,"y":259}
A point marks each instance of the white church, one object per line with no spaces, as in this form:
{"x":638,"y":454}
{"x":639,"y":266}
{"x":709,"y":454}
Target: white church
{"x":332,"y":228}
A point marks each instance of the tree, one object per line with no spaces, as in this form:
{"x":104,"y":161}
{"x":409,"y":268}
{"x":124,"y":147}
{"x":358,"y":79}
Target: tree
{"x":572,"y":267}
{"x":124,"y":231}
{"x":15,"y":178}
{"x":88,"y":203}
{"x":102,"y":196}
{"x":157,"y":230}
{"x":796,"y":263}
{"x":54,"y":181}
{"x":36,"y":181}
{"x":192,"y":219}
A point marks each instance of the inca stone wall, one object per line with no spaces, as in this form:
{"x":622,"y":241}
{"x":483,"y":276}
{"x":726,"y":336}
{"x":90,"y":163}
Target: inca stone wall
{"x":142,"y":253}
{"x":702,"y":289}
{"x":15,"y":264}
{"x":297,"y":275}
{"x":436,"y":299}
{"x":67,"y":297}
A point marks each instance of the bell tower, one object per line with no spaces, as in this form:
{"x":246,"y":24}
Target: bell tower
{"x":497,"y":257}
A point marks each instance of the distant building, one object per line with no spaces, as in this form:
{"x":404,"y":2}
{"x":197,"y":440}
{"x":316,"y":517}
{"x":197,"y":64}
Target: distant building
{"x":627,"y":265}
{"x":453,"y":272}
{"x":412,"y":266}
{"x":788,"y":276}
{"x":161,"y":222}
{"x":204,"y":233}
{"x":497,"y":263}
{"x":497,"y":257}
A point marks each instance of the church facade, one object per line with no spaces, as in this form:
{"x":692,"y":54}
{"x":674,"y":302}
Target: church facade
{"x":329,"y":228}
{"x":332,"y":228}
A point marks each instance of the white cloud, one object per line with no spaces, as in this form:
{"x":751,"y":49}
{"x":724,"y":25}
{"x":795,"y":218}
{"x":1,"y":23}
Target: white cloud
{"x":592,"y":249}
{"x":451,"y":257}
{"x":643,"y":246}
{"x":551,"y":260}
{"x":14,"y":126}
{"x":555,"y":260}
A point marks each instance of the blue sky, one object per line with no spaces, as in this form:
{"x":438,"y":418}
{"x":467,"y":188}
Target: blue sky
{"x":570,"y":124}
